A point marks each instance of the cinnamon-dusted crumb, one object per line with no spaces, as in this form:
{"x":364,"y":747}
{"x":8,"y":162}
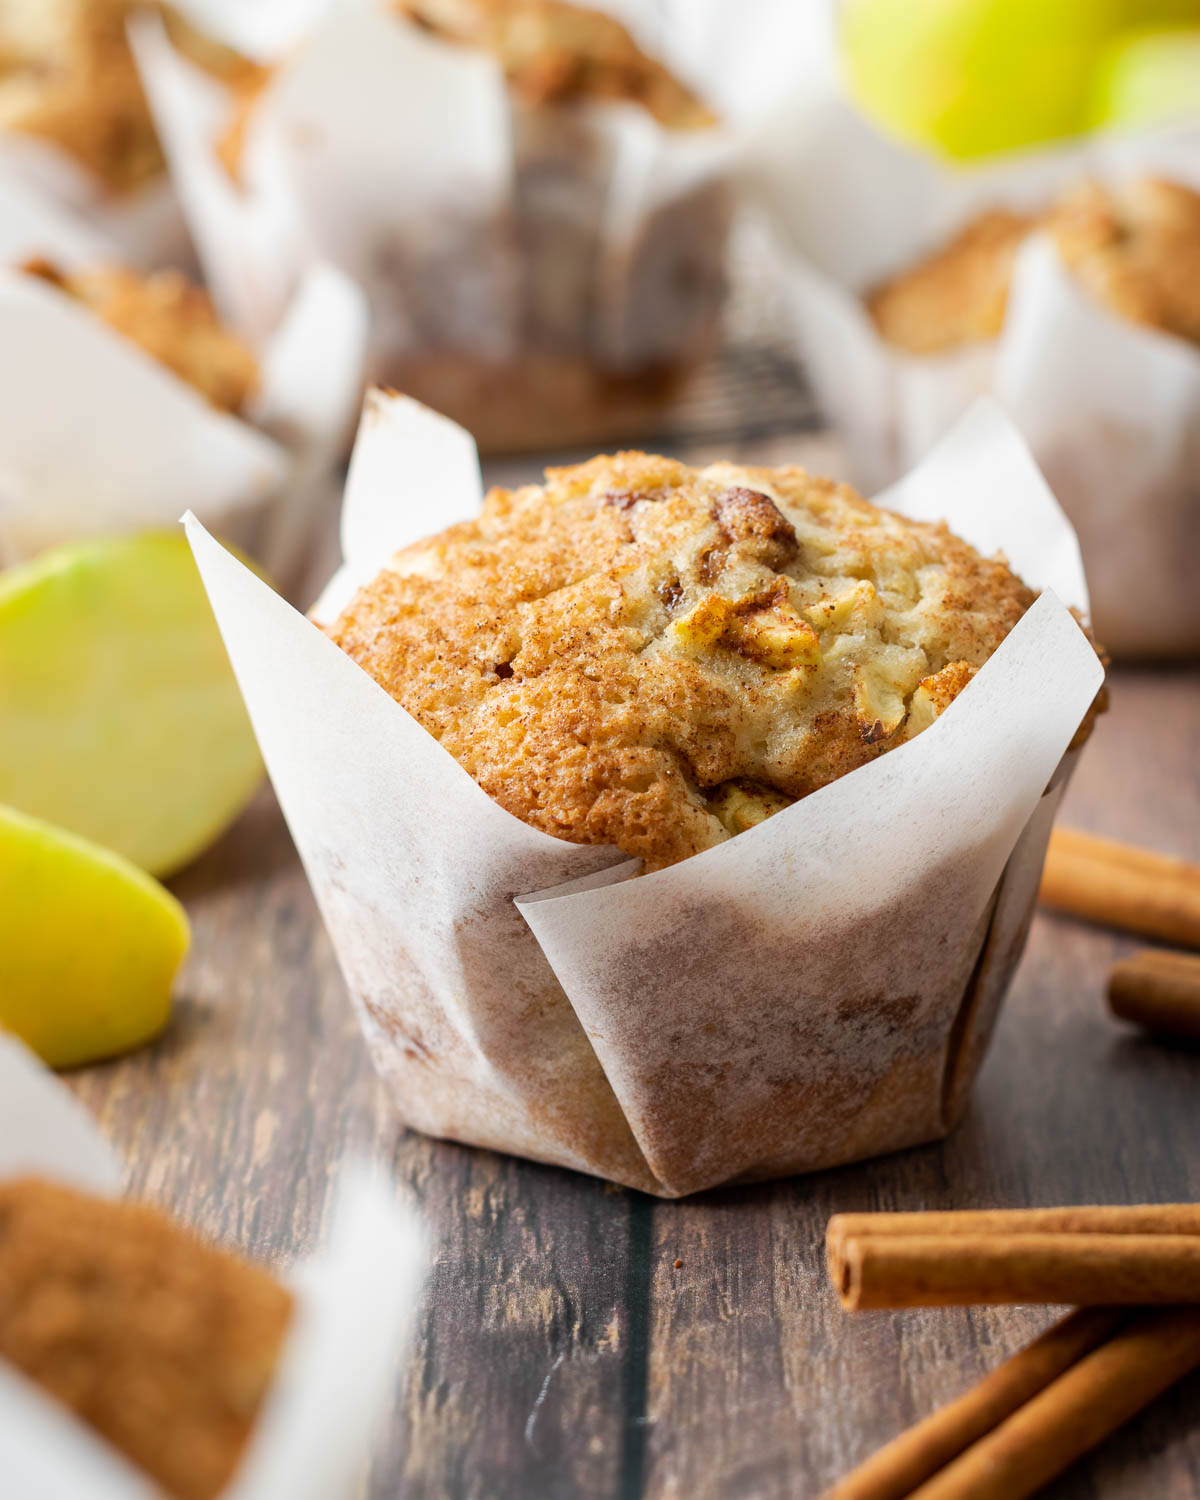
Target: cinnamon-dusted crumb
{"x":169,"y":317}
{"x":1136,"y":248}
{"x":553,"y":52}
{"x":657,"y":657}
{"x":68,"y":77}
{"x":163,"y":1344}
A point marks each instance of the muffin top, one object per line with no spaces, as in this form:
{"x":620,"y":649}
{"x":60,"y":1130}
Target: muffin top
{"x":958,"y":294}
{"x":68,"y":77}
{"x":173,"y":320}
{"x":553,"y":52}
{"x":656,"y":657}
{"x":1136,"y":248}
{"x":162,"y":1344}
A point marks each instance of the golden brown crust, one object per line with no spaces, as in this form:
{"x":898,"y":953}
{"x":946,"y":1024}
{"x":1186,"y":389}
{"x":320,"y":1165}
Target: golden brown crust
{"x":1136,"y":248}
{"x":608,"y":653}
{"x":553,"y":52}
{"x":173,"y":320}
{"x":68,"y":77}
{"x":163,"y":1344}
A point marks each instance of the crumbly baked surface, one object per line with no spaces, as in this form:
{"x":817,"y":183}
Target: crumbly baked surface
{"x":67,"y":76}
{"x":957,"y":295}
{"x":1135,"y":247}
{"x":173,"y":320}
{"x":162,"y":1344}
{"x":656,"y":657}
{"x":553,"y":52}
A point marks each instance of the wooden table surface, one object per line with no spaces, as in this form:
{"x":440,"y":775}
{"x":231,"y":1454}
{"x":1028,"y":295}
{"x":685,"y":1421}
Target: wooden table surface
{"x":561,"y":1353}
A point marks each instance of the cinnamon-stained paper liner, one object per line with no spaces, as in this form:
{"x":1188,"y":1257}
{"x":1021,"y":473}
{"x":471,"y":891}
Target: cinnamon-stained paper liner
{"x":1110,"y":409}
{"x":97,"y":437}
{"x":355,"y":1302}
{"x":479,"y":227}
{"x":801,"y":995}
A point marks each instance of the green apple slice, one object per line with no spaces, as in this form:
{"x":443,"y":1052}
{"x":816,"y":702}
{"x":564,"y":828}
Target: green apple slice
{"x":89,"y":945}
{"x":119,"y":715}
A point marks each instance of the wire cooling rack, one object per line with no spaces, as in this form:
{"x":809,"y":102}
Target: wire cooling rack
{"x":754,"y":387}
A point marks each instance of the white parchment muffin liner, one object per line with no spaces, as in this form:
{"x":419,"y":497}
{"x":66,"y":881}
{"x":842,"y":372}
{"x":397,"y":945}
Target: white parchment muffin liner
{"x":816,"y":990}
{"x":356,"y":1301}
{"x":479,"y":227}
{"x":97,"y":437}
{"x":1110,"y":409}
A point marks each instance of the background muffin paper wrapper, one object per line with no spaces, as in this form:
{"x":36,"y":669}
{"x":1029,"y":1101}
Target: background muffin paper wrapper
{"x":477,"y":227}
{"x":98,"y":437}
{"x":355,"y":1303}
{"x":146,"y":224}
{"x":1110,"y":409}
{"x":816,"y":990}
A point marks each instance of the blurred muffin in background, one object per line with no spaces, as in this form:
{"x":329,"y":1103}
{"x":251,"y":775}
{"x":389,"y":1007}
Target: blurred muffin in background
{"x":958,"y":294}
{"x":560,"y":271}
{"x":68,"y":78}
{"x":164,"y":1345}
{"x":169,"y":317}
{"x":575,"y":379}
{"x":1135,"y":247}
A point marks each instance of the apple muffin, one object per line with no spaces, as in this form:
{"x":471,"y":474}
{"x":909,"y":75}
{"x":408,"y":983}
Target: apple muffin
{"x":67,"y":77}
{"x":571,"y":306}
{"x":161,"y":1343}
{"x":1135,"y":247}
{"x":656,"y":657}
{"x":169,"y":317}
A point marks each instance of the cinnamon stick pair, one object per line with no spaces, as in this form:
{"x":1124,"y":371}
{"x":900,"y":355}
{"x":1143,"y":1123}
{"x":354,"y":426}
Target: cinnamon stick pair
{"x":1034,"y":1416}
{"x":1069,"y":1389}
{"x":1122,"y":886}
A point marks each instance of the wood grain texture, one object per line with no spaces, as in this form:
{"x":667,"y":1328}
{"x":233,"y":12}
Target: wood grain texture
{"x":561,"y":1352}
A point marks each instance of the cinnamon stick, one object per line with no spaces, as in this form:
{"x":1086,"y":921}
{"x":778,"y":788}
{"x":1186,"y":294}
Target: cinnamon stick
{"x":1120,"y":885}
{"x":1083,"y":1406}
{"x":895,"y":1471}
{"x":897,"y":1271}
{"x":1138,"y":1218}
{"x":1158,"y":990}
